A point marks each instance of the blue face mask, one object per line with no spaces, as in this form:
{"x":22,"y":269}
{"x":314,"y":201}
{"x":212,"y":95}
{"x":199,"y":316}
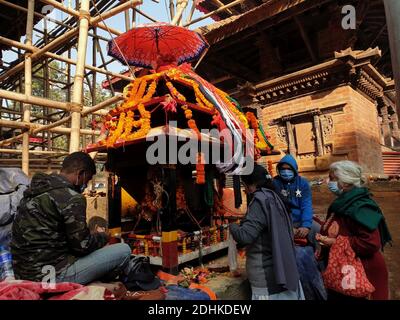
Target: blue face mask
{"x":286,"y":174}
{"x":334,"y":188}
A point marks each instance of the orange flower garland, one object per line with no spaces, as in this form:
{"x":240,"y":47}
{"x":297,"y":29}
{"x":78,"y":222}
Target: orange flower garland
{"x":201,"y":97}
{"x":150,"y":91}
{"x":144,"y":122}
{"x":140,"y":93}
{"x":128,"y":124}
{"x":174,"y":92}
{"x":200,"y":177}
{"x":118,"y":131}
{"x":258,"y":138}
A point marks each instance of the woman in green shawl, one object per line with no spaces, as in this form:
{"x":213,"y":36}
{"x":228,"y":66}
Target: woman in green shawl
{"x":354,"y":214}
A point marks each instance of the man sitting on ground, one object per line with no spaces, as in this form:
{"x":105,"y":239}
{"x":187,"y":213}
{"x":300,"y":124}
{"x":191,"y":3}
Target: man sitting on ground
{"x":50,"y":229}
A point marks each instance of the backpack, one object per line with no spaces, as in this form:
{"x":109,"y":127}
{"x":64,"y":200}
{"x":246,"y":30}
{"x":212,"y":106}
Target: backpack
{"x":13,"y":183}
{"x":138,"y":275}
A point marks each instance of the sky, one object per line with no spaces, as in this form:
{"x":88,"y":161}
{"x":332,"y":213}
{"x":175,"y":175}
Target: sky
{"x":159,"y":11}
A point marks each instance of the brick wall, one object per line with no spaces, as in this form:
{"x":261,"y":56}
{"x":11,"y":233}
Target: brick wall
{"x":356,"y":134}
{"x":365,"y":120}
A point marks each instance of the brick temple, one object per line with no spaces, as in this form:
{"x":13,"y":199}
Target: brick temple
{"x":323,"y":93}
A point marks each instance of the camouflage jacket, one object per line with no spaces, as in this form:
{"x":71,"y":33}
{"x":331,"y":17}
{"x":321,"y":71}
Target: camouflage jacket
{"x":50,"y":228}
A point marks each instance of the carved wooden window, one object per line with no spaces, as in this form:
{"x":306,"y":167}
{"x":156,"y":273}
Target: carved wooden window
{"x":305,"y":138}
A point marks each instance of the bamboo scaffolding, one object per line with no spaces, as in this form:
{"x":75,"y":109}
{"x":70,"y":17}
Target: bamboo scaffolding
{"x":28,"y":86}
{"x":55,"y":49}
{"x":172,"y":9}
{"x":37,"y":54}
{"x":192,"y":9}
{"x":20,"y":97}
{"x":51,"y":103}
{"x":181,"y":6}
{"x":95,"y":21}
{"x":35,"y":128}
{"x":105,"y":65}
{"x":12,"y":160}
{"x":127,"y":20}
{"x":77,"y":92}
{"x":62,"y":59}
{"x":114,"y":11}
{"x":45,"y":152}
{"x":40,"y":15}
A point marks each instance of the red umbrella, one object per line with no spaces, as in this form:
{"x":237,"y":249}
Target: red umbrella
{"x":155,"y":44}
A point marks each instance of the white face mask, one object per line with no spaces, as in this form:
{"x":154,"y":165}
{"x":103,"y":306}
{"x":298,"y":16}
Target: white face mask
{"x":334,"y":188}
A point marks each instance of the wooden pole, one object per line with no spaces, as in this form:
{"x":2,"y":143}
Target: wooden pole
{"x":35,"y":128}
{"x":392,"y":9}
{"x":220,"y":4}
{"x":94,"y":80}
{"x":127,"y":20}
{"x":28,"y":86}
{"x":146,"y":15}
{"x":34,"y":100}
{"x":46,"y":84}
{"x":114,"y":11}
{"x":172,"y":9}
{"x":192,"y":9}
{"x":102,"y":105}
{"x":46,"y":152}
{"x":105,"y":65}
{"x":61,"y":7}
{"x":77,"y":91}
{"x":133,"y":18}
{"x":181,"y":6}
{"x":56,"y":104}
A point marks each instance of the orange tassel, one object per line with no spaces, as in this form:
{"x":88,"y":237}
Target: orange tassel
{"x":201,"y":174}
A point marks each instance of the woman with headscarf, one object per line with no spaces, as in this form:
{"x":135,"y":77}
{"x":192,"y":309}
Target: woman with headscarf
{"x":355,"y":215}
{"x":267,"y":233}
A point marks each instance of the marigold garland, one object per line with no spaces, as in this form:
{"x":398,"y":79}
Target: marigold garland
{"x":145,"y":124}
{"x":142,"y":90}
{"x":128,"y":125}
{"x":150,"y":91}
{"x":118,"y":131}
{"x":140,"y":93}
{"x":134,"y":87}
{"x":258,"y":138}
{"x":174,"y":92}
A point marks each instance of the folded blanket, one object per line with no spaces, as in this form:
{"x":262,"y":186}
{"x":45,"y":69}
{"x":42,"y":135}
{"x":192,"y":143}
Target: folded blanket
{"x":29,"y":290}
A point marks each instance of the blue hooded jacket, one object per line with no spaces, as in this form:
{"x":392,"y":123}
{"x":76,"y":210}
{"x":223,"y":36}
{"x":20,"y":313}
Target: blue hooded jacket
{"x":297,"y":192}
